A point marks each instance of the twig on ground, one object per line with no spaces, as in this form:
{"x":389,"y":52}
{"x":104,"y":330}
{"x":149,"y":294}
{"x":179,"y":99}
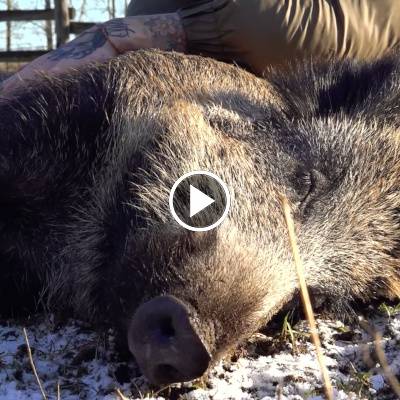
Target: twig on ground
{"x":380,"y":353}
{"x":394,"y":383}
{"x":33,"y":365}
{"x":121,"y":395}
{"x":138,"y":390}
{"x":58,"y":391}
{"x":306,"y":298}
{"x":278,"y":393}
{"x":155,"y":394}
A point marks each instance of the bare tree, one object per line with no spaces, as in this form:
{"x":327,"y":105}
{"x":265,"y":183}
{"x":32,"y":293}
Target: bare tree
{"x":8,"y":32}
{"x":82,"y":11}
{"x":8,"y":27}
{"x":48,"y":28}
{"x":111,"y":8}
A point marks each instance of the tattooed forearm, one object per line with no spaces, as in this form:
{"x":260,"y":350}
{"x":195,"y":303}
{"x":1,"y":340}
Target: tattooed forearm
{"x":91,"y":40}
{"x":81,"y":47}
{"x":117,"y":28}
{"x":103,"y":42}
{"x":167,"y":31}
{"x":163,"y":31}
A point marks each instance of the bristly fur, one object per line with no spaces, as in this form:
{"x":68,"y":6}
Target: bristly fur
{"x":87,"y":161}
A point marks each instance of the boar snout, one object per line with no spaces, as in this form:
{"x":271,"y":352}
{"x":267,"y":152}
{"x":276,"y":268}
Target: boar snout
{"x":165,"y":343}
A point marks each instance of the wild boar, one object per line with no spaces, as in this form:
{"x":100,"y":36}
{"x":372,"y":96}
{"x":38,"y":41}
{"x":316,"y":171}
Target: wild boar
{"x":87,"y":161}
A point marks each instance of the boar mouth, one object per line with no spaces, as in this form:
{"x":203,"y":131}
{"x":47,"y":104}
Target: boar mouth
{"x":165,"y":343}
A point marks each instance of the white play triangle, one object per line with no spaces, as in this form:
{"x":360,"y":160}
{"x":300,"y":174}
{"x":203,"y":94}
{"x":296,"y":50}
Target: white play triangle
{"x":198,"y":201}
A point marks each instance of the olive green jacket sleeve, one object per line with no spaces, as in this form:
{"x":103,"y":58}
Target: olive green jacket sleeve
{"x":259,"y":33}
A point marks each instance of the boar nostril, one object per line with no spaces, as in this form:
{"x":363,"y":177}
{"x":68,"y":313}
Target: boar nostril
{"x":167,"y":328}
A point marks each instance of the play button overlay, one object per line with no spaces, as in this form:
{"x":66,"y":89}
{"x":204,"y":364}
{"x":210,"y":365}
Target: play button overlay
{"x":199,"y":201}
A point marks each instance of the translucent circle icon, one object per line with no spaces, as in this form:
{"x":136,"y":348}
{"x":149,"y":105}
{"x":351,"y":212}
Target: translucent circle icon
{"x":199,"y":201}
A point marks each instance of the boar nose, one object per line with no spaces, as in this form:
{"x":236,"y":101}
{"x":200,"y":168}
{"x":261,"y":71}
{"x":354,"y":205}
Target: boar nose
{"x":165,"y":343}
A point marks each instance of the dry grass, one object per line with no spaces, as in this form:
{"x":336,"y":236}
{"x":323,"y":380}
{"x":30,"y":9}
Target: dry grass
{"x":33,"y":365}
{"x":389,"y":375}
{"x":377,"y":336}
{"x":306,"y":298}
{"x":380,"y":353}
{"x":120,"y":395}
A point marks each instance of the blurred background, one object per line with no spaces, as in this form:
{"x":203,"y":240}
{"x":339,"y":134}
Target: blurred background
{"x":28,"y":28}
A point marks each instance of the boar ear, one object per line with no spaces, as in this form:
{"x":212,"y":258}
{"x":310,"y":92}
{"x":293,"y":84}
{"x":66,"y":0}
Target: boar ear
{"x":337,"y":87}
{"x":356,"y":87}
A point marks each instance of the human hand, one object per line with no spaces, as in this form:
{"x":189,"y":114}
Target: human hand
{"x":105,"y":41}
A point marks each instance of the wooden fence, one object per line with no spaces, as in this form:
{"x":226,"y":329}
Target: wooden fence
{"x":61,"y":14}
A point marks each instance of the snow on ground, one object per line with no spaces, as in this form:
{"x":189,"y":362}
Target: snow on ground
{"x":85,"y":365}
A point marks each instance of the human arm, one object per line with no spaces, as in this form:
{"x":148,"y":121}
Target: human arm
{"x":105,"y":41}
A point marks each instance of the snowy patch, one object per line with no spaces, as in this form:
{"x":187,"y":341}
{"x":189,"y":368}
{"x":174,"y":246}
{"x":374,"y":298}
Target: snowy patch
{"x":85,"y":365}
